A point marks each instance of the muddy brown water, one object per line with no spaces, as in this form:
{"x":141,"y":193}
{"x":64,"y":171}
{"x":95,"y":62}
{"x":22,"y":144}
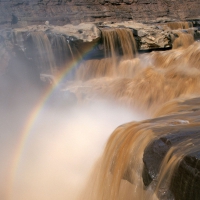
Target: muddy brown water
{"x":93,"y":149}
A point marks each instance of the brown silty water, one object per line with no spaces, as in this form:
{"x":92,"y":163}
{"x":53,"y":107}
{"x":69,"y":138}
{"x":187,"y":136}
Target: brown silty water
{"x":153,"y":85}
{"x":179,"y":25}
{"x":144,"y":82}
{"x":43,"y":45}
{"x":148,"y":84}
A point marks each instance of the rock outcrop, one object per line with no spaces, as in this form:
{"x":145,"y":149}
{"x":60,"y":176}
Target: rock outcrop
{"x":86,"y":32}
{"x":147,"y":36}
{"x":59,"y":12}
{"x":51,"y":46}
{"x":177,"y":136}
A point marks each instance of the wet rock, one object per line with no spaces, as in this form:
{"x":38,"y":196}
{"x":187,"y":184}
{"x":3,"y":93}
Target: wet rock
{"x":185,"y":181}
{"x":83,"y":32}
{"x":156,"y":151}
{"x":69,"y":41}
{"x":14,"y":19}
{"x":147,"y":36}
{"x":88,"y":36}
{"x":49,"y":46}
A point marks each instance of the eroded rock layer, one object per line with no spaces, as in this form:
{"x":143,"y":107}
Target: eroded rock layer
{"x":60,"y":12}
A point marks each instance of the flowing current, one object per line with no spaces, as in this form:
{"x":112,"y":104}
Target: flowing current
{"x":93,"y":148}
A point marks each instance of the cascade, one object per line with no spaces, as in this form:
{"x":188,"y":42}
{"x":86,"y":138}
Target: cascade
{"x":179,"y":25}
{"x":62,"y":50}
{"x":160,"y":78}
{"x":45,"y":56}
{"x":184,"y":39}
{"x":143,"y":107}
{"x":118,"y":39}
{"x":170,"y":74}
{"x":119,"y":49}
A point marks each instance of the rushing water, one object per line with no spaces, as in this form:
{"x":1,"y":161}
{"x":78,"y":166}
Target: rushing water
{"x":61,"y":154}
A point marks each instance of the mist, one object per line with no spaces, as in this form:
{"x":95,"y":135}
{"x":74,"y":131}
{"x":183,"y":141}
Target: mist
{"x":60,"y":150}
{"x":72,"y":127}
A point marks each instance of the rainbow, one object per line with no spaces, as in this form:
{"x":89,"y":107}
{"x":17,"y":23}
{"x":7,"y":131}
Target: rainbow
{"x":31,"y":120}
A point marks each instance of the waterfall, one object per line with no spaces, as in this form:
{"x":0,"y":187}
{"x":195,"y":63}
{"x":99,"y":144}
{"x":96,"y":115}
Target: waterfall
{"x":123,"y":127}
{"x":179,"y":25}
{"x":120,"y":49}
{"x":45,"y":59}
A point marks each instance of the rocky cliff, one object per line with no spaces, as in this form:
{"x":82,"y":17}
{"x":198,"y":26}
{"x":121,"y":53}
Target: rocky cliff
{"x":28,"y":12}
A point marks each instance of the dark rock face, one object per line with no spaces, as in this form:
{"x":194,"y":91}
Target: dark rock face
{"x":157,"y":150}
{"x":185,"y":181}
{"x":60,"y":12}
